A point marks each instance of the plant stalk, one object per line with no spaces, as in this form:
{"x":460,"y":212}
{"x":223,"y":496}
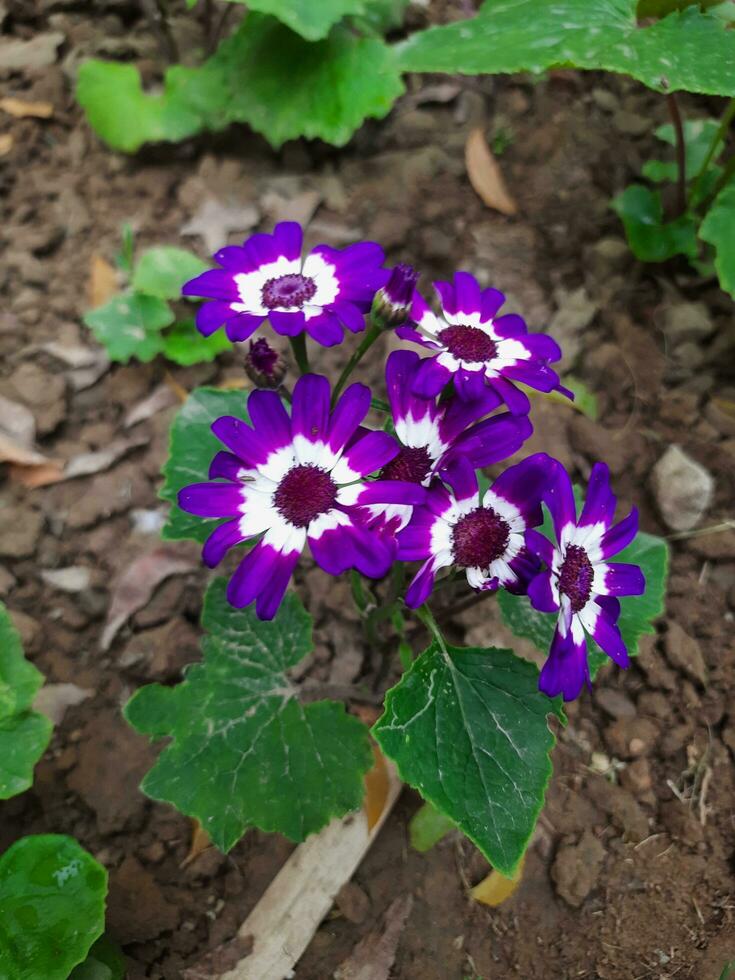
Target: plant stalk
{"x":368,"y":340}
{"x":681,"y":155}
{"x":725,"y":122}
{"x":298,"y":346}
{"x":727,"y":174}
{"x":427,"y":618}
{"x":156,"y":17}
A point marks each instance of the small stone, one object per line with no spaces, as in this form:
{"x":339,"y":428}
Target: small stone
{"x":43,"y":393}
{"x":608,"y":255}
{"x":687,"y":321}
{"x":683,"y":489}
{"x":685,"y":654}
{"x":631,"y":123}
{"x":615,"y":703}
{"x":575,"y":311}
{"x":630,"y":737}
{"x":352,"y":902}
{"x":20,"y":529}
{"x":637,"y":777}
{"x":620,"y":805}
{"x":576,"y":868}
{"x":76,"y":578}
{"x":39,"y":52}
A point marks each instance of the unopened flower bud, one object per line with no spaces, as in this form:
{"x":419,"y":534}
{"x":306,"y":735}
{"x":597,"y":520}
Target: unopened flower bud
{"x":393,"y":302}
{"x":265,"y":367}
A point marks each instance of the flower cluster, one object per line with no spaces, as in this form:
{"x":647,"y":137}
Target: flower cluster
{"x":305,"y":469}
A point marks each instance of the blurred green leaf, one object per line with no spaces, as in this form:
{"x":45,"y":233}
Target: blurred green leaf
{"x":312,"y":19}
{"x":130,"y":325}
{"x":184,"y":345}
{"x":427,"y":827}
{"x":651,"y":239}
{"x":104,"y":961}
{"x":163,"y":270}
{"x":718,"y":229}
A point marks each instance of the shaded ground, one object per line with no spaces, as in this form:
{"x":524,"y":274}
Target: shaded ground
{"x":632,"y":870}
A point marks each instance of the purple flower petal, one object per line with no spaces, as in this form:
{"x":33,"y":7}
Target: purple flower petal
{"x":332,"y":550}
{"x":565,"y":670}
{"x":392,"y":492}
{"x":241,"y":326}
{"x":494,"y":439}
{"x":469,"y":384}
{"x":211,"y":499}
{"x":622,"y":579}
{"x":241,"y":440}
{"x":214,"y":283}
{"x":373,"y":555}
{"x":210,"y":316}
{"x":525,"y":484}
{"x":310,"y":407}
{"x":599,"y":507}
{"x":510,"y":325}
{"x":220,"y":541}
{"x":461,"y":477}
{"x":289,"y":239}
{"x":251,"y":574}
{"x":559,"y":498}
{"x":269,"y":418}
{"x":492,"y":300}
{"x":420,"y":588}
{"x":540,"y":545}
{"x":274,"y":586}
{"x":467,"y":293}
{"x":365,"y":456}
{"x":225,"y":466}
{"x":607,"y":636}
{"x":350,"y":410}
{"x":350,"y":316}
{"x":619,"y":535}
{"x":325,"y":329}
{"x":430,"y":378}
{"x":287,"y":324}
{"x":446,"y":296}
{"x":516,"y":400}
{"x":540,"y":594}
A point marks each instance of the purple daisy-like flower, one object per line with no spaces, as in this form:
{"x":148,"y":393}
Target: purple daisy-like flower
{"x":473,"y":347}
{"x":297,"y":479}
{"x":484,"y":536}
{"x":579,"y":582}
{"x":433,"y":434}
{"x":266,"y":277}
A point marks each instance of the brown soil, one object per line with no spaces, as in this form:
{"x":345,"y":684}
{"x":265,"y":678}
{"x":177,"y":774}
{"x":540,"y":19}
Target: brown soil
{"x":631,"y":873}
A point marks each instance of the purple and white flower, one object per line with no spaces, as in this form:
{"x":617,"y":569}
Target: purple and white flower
{"x":433,"y":434}
{"x":579,"y":582}
{"x":474,"y":347}
{"x":392,"y":303}
{"x":266,"y":277}
{"x":483,"y":537}
{"x":297,"y":479}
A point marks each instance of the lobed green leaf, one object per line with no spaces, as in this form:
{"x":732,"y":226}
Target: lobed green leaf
{"x":467,"y":728}
{"x":718,"y":229}
{"x":24,"y":733}
{"x":163,"y":270}
{"x":52,"y":907}
{"x":311,"y":20}
{"x":651,"y":239}
{"x":244,"y":751}
{"x":689,"y":50}
{"x":184,"y":345}
{"x":130,"y":325}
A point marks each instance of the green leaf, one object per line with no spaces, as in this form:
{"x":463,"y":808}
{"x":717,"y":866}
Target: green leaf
{"x":265,"y":75}
{"x":312,"y":20}
{"x":129,"y":325}
{"x":24,"y":734}
{"x":104,"y":962}
{"x":467,"y":728}
{"x":637,"y":613}
{"x":427,"y":827}
{"x":185,"y":345}
{"x":585,"y":401}
{"x":718,"y":229}
{"x":381,"y":16}
{"x":52,"y":907}
{"x":698,"y":136}
{"x":688,"y":50}
{"x":162,"y":271}
{"x":244,"y":751}
{"x":650,"y":238}
{"x":192,"y":448}
{"x":126,"y":117}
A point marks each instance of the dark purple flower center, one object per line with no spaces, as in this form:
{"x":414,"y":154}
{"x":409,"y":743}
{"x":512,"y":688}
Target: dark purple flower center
{"x":575,"y":577}
{"x":304,"y":493}
{"x":468,"y":343}
{"x":479,"y":538}
{"x":288,"y":291}
{"x":411,"y":464}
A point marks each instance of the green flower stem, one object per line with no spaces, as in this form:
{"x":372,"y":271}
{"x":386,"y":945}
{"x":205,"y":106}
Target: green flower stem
{"x":719,"y":136}
{"x":427,"y":618}
{"x":298,"y":346}
{"x":727,"y":174}
{"x":368,"y":340}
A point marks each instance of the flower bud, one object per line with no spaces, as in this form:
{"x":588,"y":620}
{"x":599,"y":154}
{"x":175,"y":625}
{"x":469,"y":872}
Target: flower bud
{"x":265,"y":366}
{"x":393,"y":301}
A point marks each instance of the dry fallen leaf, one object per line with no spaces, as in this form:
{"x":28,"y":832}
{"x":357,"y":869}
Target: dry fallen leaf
{"x":86,"y":464}
{"x":160,"y":398}
{"x":22,"y":109}
{"x":200,"y":841}
{"x":300,"y":208}
{"x":138,"y":582}
{"x":213,"y":221}
{"x":54,"y":699}
{"x":74,"y":578}
{"x":6,"y":144}
{"x":103,"y":282}
{"x":373,"y":957}
{"x":496,"y":888}
{"x":37,"y":475}
{"x":485,"y":175}
{"x":377,"y":788}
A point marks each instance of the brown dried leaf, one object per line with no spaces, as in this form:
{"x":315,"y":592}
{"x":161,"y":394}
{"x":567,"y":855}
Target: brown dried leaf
{"x":485,"y":175}
{"x":160,"y":398}
{"x":22,"y":109}
{"x":138,"y":582}
{"x":200,"y":841}
{"x":103,"y":282}
{"x":13,"y":451}
{"x":87,"y":464}
{"x":6,"y":144}
{"x":375,"y":954}
{"x":38,"y":475}
{"x":377,"y":788}
{"x":496,"y":888}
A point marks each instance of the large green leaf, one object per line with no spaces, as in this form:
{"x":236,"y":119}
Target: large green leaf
{"x":244,"y":751}
{"x":264,"y":75}
{"x":52,"y":907}
{"x":718,"y":228}
{"x":184,"y":345}
{"x":689,"y":50}
{"x":637,"y":612}
{"x":104,"y":962}
{"x":698,"y":136}
{"x":163,"y":270}
{"x":192,"y":448}
{"x":24,"y":734}
{"x":467,"y":728}
{"x":312,"y":19}
{"x":652,"y":239}
{"x":129,"y":325}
